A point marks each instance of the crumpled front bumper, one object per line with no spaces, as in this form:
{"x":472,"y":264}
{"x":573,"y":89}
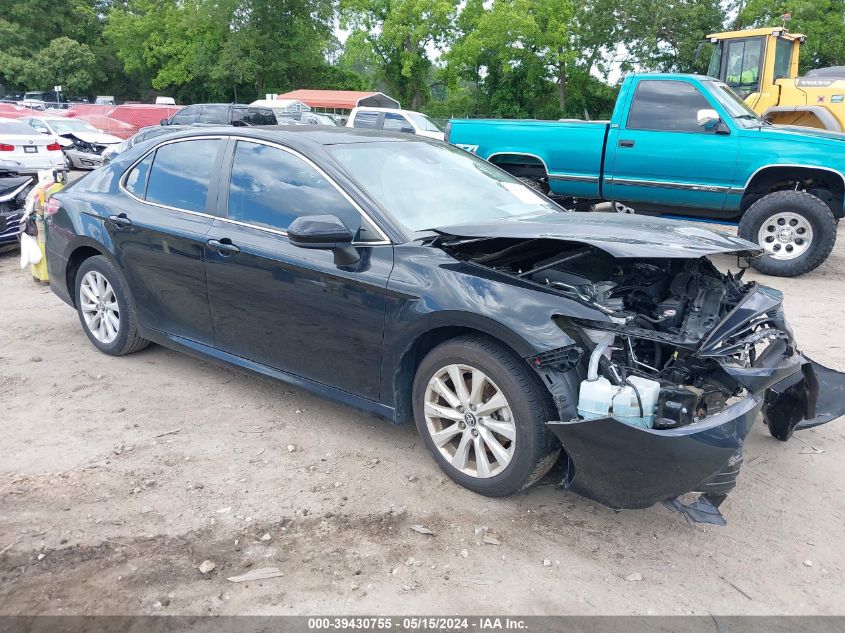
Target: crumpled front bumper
{"x":624,"y":466}
{"x":83,"y":160}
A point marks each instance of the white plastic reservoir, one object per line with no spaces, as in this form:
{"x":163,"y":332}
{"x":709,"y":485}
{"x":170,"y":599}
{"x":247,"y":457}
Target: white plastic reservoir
{"x":595,"y":398}
{"x":626,"y":408}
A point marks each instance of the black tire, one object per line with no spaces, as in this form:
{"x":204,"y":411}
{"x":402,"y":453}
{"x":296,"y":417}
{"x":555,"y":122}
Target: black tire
{"x":536,"y":448}
{"x":816,"y":213}
{"x":127,"y":340}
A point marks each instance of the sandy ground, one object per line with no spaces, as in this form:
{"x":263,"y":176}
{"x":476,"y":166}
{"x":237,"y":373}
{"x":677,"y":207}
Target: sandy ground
{"x":119,"y":476}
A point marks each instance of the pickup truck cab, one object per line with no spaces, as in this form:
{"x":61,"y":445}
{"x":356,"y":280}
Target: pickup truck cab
{"x":393,"y":120}
{"x":684,"y":145}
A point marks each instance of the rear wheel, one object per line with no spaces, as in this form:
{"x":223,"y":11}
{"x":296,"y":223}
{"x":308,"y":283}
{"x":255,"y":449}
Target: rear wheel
{"x":104,"y":308}
{"x":482,"y":414}
{"x":796,"y":230}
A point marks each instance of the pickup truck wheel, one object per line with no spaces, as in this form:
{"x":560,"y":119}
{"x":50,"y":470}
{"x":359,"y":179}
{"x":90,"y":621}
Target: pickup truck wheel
{"x":482,"y":414}
{"x":796,"y":230}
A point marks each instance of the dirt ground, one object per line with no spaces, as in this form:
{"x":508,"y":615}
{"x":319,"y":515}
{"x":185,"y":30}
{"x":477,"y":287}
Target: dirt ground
{"x":120,"y":476}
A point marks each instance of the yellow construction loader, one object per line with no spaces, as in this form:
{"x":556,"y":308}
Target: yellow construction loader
{"x":761,"y":65}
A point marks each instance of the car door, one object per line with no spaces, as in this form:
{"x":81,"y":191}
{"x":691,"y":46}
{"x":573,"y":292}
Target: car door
{"x":290,"y":308}
{"x":159,"y":230}
{"x":662,"y":155}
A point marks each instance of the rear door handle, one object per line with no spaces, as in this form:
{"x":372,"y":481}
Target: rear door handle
{"x":224,"y":246}
{"x":626,"y":143}
{"x":120,"y":220}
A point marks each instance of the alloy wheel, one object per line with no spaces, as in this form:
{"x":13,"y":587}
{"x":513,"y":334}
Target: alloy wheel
{"x":470,"y":421}
{"x":785,"y":235}
{"x":99,"y":307}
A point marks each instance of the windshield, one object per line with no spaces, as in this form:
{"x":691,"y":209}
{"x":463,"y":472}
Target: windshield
{"x":324,"y":119}
{"x":423,"y":122}
{"x":68,"y":126}
{"x":425,"y":186}
{"x":736,"y":107}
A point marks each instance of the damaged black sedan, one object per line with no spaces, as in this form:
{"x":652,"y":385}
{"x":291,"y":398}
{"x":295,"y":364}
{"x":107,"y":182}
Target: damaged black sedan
{"x":417,"y":282}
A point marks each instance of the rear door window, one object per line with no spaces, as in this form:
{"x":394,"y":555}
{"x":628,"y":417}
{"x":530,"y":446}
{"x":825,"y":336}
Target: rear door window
{"x":365,"y":120}
{"x":396,"y":123}
{"x":258,"y":116}
{"x":181,"y":173}
{"x":186,"y":116}
{"x":270,"y":187}
{"x":214,"y":115}
{"x":666,"y":106}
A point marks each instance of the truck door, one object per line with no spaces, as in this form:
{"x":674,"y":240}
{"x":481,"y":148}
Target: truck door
{"x":662,"y":157}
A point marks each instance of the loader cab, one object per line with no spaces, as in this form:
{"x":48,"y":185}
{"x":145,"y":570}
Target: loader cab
{"x":751,"y":62}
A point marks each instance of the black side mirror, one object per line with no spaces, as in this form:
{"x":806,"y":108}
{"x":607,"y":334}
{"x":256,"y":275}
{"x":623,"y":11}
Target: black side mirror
{"x":407,"y":129}
{"x":165,"y":122}
{"x":324,"y":232}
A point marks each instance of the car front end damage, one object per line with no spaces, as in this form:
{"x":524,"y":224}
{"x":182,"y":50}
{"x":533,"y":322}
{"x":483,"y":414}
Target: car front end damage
{"x":84,"y":153}
{"x":715,"y":350}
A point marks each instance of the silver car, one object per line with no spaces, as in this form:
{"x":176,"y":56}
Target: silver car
{"x":82,"y":143}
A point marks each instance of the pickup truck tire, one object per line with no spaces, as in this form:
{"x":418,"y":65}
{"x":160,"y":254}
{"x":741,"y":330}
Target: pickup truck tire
{"x":511,"y":405}
{"x":796,"y":230}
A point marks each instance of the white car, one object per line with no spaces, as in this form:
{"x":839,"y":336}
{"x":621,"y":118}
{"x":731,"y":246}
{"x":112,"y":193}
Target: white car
{"x":31,"y":150}
{"x":393,"y":120}
{"x":82,"y":143}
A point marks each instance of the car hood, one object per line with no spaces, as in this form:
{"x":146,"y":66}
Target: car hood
{"x":95,"y":138}
{"x":620,"y":235}
{"x":798,"y":134}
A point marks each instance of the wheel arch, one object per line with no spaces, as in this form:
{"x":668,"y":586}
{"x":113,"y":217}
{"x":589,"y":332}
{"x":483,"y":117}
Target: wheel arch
{"x":520,"y":159}
{"x":81,"y":252}
{"x":405,"y":368}
{"x":779,"y":177}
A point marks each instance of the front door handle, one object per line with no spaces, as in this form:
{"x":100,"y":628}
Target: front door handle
{"x":626,"y":143}
{"x":224,"y":246}
{"x":120,"y":220}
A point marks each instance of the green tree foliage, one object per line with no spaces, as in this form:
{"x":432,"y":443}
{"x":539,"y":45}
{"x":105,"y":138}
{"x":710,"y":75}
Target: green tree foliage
{"x":223,"y":49}
{"x":822,"y":21}
{"x":400,"y":35}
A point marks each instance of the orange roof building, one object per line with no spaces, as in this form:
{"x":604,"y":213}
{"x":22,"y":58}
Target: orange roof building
{"x":340,"y":101}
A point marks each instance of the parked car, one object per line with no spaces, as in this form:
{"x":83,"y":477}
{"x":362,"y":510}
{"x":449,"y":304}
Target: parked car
{"x":82,"y":143}
{"x":13,"y":190}
{"x":104,"y":100}
{"x":30,"y":149}
{"x":143,"y":134}
{"x":222,"y":114}
{"x":412,"y":280}
{"x":306,"y":118}
{"x":34,"y":100}
{"x":393,"y":120}
{"x":165,"y":101}
{"x":685,"y":145}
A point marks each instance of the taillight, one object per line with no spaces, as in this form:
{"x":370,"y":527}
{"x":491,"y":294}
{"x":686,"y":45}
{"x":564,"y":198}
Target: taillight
{"x":6,"y":148}
{"x":52,"y":206}
{"x":54,"y":147}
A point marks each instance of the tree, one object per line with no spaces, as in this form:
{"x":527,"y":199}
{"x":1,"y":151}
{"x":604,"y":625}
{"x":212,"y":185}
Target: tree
{"x":400,"y":35}
{"x":820,"y":20}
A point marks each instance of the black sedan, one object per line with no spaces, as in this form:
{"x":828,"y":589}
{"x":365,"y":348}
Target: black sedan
{"x":412,"y":280}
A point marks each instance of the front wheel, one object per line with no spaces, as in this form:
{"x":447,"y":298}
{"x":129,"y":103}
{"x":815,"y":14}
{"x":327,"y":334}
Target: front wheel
{"x":796,"y":230}
{"x":482,"y":414}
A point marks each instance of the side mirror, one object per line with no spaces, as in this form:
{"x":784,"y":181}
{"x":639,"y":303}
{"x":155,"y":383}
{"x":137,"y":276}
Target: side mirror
{"x":324,"y":232}
{"x":165,"y":122}
{"x":407,"y":129}
{"x":708,"y":119}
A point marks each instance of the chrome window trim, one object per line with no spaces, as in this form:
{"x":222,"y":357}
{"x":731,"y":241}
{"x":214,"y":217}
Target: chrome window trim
{"x":385,"y":241}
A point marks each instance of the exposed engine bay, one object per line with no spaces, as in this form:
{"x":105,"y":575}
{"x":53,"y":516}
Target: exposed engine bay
{"x":661,"y":315}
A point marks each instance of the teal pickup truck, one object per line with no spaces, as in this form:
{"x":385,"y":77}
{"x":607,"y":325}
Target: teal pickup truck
{"x":684,"y":145}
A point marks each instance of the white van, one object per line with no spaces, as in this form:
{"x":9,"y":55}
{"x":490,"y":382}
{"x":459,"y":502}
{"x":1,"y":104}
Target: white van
{"x":394,"y":120}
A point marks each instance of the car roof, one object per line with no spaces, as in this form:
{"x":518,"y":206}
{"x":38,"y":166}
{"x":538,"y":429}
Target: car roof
{"x":375,"y":109}
{"x":316,"y":134}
